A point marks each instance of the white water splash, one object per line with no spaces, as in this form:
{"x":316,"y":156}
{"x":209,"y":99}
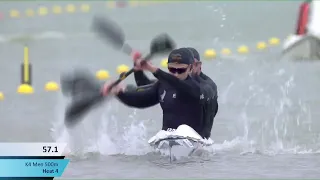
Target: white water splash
{"x":271,"y":121}
{"x":92,"y":135}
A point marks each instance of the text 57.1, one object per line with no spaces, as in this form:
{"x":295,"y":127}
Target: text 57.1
{"x":50,"y":149}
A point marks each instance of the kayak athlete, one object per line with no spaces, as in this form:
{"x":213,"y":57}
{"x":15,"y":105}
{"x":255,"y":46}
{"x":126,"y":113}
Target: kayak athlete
{"x":211,"y":108}
{"x":181,"y":98}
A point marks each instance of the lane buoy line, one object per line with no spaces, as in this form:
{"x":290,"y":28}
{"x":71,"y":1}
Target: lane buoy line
{"x":70,"y":8}
{"x":52,"y":86}
{"x":242,"y":49}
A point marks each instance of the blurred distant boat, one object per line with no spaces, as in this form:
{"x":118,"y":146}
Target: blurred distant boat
{"x":306,"y":47}
{"x":305,"y":44}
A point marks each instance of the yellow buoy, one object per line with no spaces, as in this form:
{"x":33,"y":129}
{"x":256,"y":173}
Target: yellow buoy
{"x":14,"y":13}
{"x":25,"y":89}
{"x":51,"y":86}
{"x":274,"y":41}
{"x":30,"y":12}
{"x":70,"y":8}
{"x":243,"y":49}
{"x":210,"y":54}
{"x":261,"y":45}
{"x":57,"y":9}
{"x":111,"y":4}
{"x":102,"y":75}
{"x":42,"y":11}
{"x":122,"y":68}
{"x":85,"y":8}
{"x":1,"y":96}
{"x":164,"y":63}
{"x":133,"y":3}
{"x":225,"y":51}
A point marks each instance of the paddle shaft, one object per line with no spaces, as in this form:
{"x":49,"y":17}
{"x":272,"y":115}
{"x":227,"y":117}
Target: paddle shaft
{"x":124,"y":76}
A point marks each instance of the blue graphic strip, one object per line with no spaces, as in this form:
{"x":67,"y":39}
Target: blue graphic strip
{"x":32,"y":167}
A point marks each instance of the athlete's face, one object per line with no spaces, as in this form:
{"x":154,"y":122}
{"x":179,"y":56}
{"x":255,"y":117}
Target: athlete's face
{"x":180,"y":71}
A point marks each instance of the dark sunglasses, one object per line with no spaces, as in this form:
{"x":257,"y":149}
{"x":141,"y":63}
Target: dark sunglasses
{"x":177,"y":70}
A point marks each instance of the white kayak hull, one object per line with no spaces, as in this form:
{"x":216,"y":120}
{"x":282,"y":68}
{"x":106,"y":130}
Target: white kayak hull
{"x":183,"y":141}
{"x":306,"y":47}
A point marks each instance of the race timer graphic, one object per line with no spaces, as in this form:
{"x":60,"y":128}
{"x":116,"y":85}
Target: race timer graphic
{"x":32,"y":160}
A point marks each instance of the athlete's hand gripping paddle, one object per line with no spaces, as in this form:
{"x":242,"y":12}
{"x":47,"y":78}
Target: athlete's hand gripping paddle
{"x":85,"y":90}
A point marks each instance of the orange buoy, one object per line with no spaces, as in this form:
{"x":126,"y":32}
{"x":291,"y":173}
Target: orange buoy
{"x":303,"y":18}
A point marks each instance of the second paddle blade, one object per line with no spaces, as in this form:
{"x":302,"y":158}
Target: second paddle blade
{"x":78,"y":81}
{"x":80,"y":106}
{"x":84,"y":91}
{"x":163,"y":43}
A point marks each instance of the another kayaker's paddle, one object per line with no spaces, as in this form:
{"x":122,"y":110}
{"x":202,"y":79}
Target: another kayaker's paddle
{"x":86,"y":92}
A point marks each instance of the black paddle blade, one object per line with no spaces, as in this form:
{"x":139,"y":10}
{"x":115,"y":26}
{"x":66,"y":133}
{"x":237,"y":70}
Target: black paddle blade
{"x":110,"y":31}
{"x":162,"y":43}
{"x":84,"y":91}
{"x":80,"y":106}
{"x":77,"y":82}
